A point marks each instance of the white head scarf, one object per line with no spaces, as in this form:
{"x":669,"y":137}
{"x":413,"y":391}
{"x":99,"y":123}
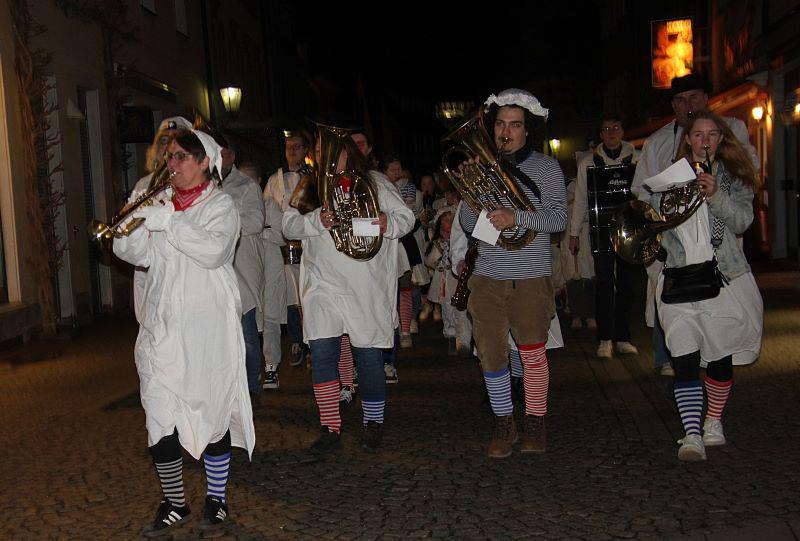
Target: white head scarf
{"x":213,"y":151}
{"x":521,"y":98}
{"x":175,"y":123}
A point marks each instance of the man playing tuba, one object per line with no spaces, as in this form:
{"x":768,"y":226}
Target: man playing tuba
{"x":511,"y":290}
{"x":344,"y":295}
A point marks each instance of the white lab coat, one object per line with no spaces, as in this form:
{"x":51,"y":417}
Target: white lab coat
{"x":274,"y":292}
{"x":248,"y":261}
{"x":279,"y":188}
{"x":658,"y":153}
{"x":190,"y":349}
{"x":139,"y":273}
{"x":341,"y":295}
{"x":581,"y":265}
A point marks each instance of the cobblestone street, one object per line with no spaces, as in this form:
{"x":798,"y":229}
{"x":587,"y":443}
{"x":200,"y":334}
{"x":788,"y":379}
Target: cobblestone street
{"x":77,"y":467}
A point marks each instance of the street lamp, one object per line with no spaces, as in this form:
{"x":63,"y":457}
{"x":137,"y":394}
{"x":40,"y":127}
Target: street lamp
{"x":555,"y":144}
{"x":231,"y":98}
{"x":758,"y":113}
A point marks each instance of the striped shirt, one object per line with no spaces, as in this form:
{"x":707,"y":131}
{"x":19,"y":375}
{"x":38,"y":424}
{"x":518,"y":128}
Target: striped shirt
{"x":408,"y":191}
{"x":534,"y":260}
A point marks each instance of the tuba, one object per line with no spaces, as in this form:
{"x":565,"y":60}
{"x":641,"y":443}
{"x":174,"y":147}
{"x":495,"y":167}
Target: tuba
{"x":120,"y":225}
{"x":637,"y":227}
{"x":348,"y":194}
{"x":487,"y":185}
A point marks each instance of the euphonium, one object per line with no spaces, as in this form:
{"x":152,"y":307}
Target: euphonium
{"x":637,"y":227}
{"x":120,"y":226}
{"x":348,"y":194}
{"x":486,"y":185}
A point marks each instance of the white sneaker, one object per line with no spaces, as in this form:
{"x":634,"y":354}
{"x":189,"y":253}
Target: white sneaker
{"x":666,"y":370}
{"x":390,"y":372}
{"x":605,"y":349}
{"x":627,"y":348}
{"x":414,"y":327}
{"x":591,"y":323}
{"x":712,"y":433}
{"x":346,"y":394}
{"x":692,"y":449}
{"x":405,"y":341}
{"x":576,"y":324}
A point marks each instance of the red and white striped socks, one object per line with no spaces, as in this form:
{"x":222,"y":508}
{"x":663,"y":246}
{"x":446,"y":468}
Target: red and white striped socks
{"x":327,"y":397}
{"x":717,"y":393}
{"x":536,"y":378}
{"x":406,"y":305}
{"x":346,"y":363}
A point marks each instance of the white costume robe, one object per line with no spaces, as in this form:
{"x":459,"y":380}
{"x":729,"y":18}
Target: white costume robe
{"x":341,"y":295}
{"x":279,"y":188}
{"x":248,"y":261}
{"x":190,"y":349}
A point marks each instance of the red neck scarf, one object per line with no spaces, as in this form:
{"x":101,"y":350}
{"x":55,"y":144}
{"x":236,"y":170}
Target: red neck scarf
{"x":183,"y":199}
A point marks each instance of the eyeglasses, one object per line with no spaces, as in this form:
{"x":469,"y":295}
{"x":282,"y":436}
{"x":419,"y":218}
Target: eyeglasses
{"x":609,"y":129}
{"x":180,"y":156}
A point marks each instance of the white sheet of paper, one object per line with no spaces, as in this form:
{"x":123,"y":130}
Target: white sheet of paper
{"x":677,"y":174}
{"x":362,"y":227}
{"x":484,"y":230}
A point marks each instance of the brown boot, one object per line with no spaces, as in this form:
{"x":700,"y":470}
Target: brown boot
{"x":535,"y":440}
{"x":505,"y":435}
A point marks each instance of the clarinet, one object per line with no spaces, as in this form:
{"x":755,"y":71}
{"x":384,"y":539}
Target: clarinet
{"x":461,"y":294}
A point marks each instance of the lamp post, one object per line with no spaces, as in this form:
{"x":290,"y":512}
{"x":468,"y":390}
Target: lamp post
{"x":555,"y":144}
{"x":231,"y":98}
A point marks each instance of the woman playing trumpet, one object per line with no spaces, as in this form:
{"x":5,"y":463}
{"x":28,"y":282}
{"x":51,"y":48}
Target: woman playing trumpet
{"x":725,"y":330}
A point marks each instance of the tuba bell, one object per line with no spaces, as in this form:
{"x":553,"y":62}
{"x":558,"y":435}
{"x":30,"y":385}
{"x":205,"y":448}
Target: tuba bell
{"x":637,"y":227}
{"x":487,"y":185}
{"x":120,"y":225}
{"x":348,"y":194}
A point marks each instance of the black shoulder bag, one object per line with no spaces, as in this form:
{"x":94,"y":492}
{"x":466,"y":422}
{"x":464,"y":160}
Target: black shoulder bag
{"x":699,"y":281}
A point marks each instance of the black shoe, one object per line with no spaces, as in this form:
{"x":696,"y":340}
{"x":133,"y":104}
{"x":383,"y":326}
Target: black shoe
{"x":328,"y":441}
{"x":298,"y":354}
{"x":167,"y":517}
{"x":215,"y":513}
{"x":452,"y":351}
{"x":372,"y":437}
{"x":271,"y":380}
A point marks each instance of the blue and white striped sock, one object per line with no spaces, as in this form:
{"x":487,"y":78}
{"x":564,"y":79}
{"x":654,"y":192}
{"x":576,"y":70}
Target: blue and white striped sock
{"x":689,"y":397}
{"x":498,"y":385}
{"x":516,"y":363}
{"x":217,"y":474}
{"x":372,"y":410}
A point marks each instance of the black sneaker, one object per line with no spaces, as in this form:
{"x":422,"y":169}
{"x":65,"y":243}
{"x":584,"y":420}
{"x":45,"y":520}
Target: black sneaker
{"x":167,"y":517}
{"x":372,"y":437}
{"x":328,"y":441}
{"x":298,"y":354}
{"x":215,"y":513}
{"x":271,"y":379}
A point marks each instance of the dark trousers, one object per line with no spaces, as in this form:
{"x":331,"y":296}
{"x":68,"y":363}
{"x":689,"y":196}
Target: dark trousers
{"x":613,"y":292}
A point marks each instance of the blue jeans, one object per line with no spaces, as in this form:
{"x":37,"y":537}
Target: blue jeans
{"x":252,"y":348}
{"x":368,"y":361}
{"x":294,"y":324}
{"x":390,"y":354}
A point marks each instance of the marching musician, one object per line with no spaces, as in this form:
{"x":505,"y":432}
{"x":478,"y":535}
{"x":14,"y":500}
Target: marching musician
{"x":279,"y":188}
{"x":506,"y":284}
{"x":613,"y":287}
{"x":248,"y":262}
{"x":340,"y":296}
{"x":190,"y":352}
{"x":689,"y":94}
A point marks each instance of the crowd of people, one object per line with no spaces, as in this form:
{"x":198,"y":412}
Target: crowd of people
{"x":223,"y":265}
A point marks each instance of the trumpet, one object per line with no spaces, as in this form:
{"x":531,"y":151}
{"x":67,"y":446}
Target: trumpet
{"x":637,"y":227}
{"x":120,"y":225}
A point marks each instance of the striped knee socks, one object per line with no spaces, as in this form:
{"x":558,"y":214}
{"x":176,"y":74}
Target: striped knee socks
{"x":689,"y":397}
{"x":346,"y":363}
{"x":372,"y":409}
{"x":217,"y":468}
{"x":537,"y":378}
{"x":170,"y":475}
{"x":405,"y":310}
{"x":516,"y":363}
{"x":717,"y":393}
{"x":498,"y":385}
{"x":327,"y":397}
